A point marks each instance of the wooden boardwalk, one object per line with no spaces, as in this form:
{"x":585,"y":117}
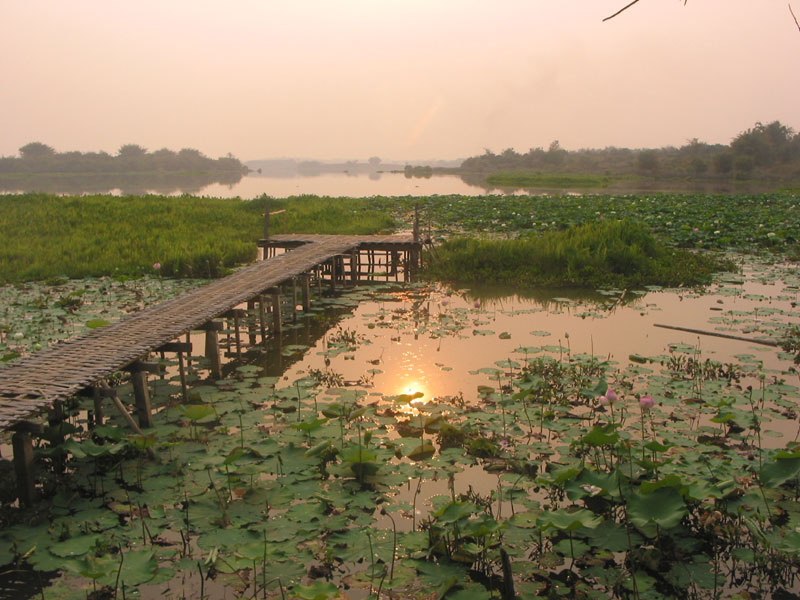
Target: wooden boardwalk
{"x":35,"y":383}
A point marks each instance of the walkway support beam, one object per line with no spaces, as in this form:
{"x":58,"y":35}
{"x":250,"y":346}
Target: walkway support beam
{"x":23,"y":467}
{"x":212,"y":329}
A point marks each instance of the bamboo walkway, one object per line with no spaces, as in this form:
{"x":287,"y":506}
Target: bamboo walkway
{"x":57,"y":373}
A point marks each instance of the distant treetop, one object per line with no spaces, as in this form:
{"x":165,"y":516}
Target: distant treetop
{"x":37,"y":157}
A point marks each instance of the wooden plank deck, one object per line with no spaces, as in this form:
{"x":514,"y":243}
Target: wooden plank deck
{"x":33,"y":383}
{"x":364,"y":242}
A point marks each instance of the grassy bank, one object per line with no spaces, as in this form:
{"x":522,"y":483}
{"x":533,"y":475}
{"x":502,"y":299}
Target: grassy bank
{"x":48,"y":236}
{"x":525,"y":179}
{"x":607,"y":254}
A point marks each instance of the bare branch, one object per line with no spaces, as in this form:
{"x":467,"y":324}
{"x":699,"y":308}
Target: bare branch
{"x":621,"y":10}
{"x":626,"y":7}
{"x":795,"y":18}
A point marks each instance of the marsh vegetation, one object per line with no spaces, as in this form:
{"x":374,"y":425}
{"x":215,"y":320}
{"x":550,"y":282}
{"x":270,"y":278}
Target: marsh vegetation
{"x":438,"y":441}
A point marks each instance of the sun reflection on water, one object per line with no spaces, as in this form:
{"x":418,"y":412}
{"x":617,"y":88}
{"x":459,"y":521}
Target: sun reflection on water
{"x":412,"y":407}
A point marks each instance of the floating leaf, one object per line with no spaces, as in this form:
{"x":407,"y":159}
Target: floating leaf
{"x":97,"y":323}
{"x":319,"y":590}
{"x":196,"y":412}
{"x":564,"y":520}
{"x":76,"y":546}
{"x":664,"y":507}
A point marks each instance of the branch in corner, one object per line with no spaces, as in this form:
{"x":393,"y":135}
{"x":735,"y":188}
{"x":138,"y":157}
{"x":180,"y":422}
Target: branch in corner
{"x":626,"y":7}
{"x":794,"y":17}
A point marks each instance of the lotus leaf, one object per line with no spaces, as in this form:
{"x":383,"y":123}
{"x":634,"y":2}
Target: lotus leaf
{"x":663,"y":508}
{"x":76,"y":546}
{"x":565,"y":520}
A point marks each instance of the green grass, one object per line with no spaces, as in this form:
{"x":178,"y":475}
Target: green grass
{"x":315,"y":214}
{"x":47,"y":236}
{"x":547,"y":180}
{"x":607,"y":254}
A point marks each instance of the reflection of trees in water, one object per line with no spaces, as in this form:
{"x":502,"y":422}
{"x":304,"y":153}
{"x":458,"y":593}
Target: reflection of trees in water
{"x":128,"y":183}
{"x":551,"y":298}
{"x":629,"y":187}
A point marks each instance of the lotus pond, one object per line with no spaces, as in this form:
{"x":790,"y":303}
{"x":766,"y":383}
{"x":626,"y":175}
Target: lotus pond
{"x":430,"y":442}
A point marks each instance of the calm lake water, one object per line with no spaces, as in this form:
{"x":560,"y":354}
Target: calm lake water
{"x":330,"y":184}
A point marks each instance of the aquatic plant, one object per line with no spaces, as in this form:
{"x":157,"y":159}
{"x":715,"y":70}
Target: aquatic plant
{"x":611,"y":253}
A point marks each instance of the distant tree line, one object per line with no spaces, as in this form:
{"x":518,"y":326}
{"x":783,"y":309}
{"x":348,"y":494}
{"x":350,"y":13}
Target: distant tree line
{"x":39,"y":158}
{"x":771,"y":151}
{"x":425,"y":172}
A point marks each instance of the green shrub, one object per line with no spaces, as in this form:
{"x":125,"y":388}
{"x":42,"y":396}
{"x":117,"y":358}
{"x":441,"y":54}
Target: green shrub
{"x":610,"y":253}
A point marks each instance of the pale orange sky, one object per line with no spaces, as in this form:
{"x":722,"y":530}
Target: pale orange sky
{"x":400,"y":79}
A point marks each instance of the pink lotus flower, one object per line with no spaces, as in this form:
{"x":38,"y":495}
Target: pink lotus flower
{"x":611,"y":396}
{"x":477,"y":304}
{"x":445,"y":302}
{"x":603,"y":400}
{"x":646,"y":402}
{"x":157,"y":266}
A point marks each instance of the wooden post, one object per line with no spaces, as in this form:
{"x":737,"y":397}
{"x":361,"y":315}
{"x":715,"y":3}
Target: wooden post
{"x":182,"y":371}
{"x":22,"y":444}
{"x":305,"y":291}
{"x":319,"y":280}
{"x":333,"y":273}
{"x":266,"y":222}
{"x":98,"y":408}
{"x":141,"y":394}
{"x":236,"y":314}
{"x":416,"y":223}
{"x":251,"y":322}
{"x":109,"y":392}
{"x":413,"y":262}
{"x":212,"y":348}
{"x":142,"y":397}
{"x":277,"y":325}
{"x":294,"y":299}
{"x":354,"y":266}
{"x":236,"y":330}
{"x":262,"y":313}
{"x":189,"y":352}
{"x":180,"y":348}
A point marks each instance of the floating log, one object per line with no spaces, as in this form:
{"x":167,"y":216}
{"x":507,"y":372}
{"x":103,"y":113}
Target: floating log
{"x":771,"y":343}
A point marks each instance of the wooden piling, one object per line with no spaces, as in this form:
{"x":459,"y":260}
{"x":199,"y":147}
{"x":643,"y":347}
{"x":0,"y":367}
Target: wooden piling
{"x":294,"y":299}
{"x":266,"y":222}
{"x":354,"y":266}
{"x":236,"y":330}
{"x":262,"y":318}
{"x":180,"y":348}
{"x":277,"y":324}
{"x":305,"y":291}
{"x":22,"y":445}
{"x":416,"y":223}
{"x":212,"y":329}
{"x":251,"y":322}
{"x":98,"y":416}
{"x":236,"y":314}
{"x":141,"y":393}
{"x":142,"y":396}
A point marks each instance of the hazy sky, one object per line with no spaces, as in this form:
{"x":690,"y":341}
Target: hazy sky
{"x":403,"y":79}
